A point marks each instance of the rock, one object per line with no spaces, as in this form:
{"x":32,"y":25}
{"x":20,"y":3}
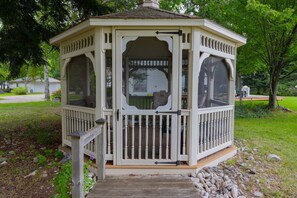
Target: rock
{"x":251,"y":158}
{"x":44,"y":174}
{"x":3,"y":163}
{"x":241,"y":197}
{"x":11,"y":153}
{"x":258,"y":194}
{"x":274,"y":157}
{"x":35,"y":159}
{"x":31,"y":174}
{"x":2,"y":159}
{"x":234,"y":192}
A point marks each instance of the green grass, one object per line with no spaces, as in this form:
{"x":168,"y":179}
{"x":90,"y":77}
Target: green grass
{"x":12,"y":94}
{"x":15,"y":114}
{"x":289,"y":102}
{"x":275,"y":133}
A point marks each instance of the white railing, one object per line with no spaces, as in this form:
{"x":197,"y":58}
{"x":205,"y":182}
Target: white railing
{"x":182,"y":136}
{"x":76,"y":118}
{"x":215,"y":130}
{"x":146,"y":137}
{"x":109,"y":133}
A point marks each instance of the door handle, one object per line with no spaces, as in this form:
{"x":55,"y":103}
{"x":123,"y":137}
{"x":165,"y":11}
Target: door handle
{"x":118,"y":115}
{"x":178,"y":112}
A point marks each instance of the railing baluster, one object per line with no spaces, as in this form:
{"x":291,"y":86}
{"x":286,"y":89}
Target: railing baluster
{"x":132,"y":147}
{"x":108,"y":134}
{"x":126,"y":138}
{"x":146,"y":136}
{"x":154,"y":137}
{"x":160,"y":138}
{"x":140,"y":131}
{"x":167,"y":136}
{"x":208,"y":132}
{"x":184,"y":134}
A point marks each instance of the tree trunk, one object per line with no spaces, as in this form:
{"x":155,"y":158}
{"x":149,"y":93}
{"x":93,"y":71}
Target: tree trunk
{"x":273,"y":91}
{"x":46,"y":83}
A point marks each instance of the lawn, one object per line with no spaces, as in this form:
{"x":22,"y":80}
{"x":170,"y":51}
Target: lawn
{"x":12,"y":94}
{"x":30,"y":134}
{"x":274,"y":133}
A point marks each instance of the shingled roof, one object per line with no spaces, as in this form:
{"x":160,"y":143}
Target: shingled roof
{"x":146,"y":13}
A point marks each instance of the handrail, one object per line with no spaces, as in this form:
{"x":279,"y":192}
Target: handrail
{"x":78,"y":140}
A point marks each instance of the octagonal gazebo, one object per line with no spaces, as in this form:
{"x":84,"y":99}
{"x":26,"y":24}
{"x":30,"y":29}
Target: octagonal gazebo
{"x":163,"y":81}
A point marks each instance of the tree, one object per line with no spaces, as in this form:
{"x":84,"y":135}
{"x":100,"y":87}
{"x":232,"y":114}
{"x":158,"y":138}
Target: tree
{"x":277,"y":34}
{"x":271,"y":29}
{"x":25,"y":24}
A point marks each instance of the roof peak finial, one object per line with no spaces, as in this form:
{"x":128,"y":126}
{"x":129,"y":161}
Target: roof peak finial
{"x":149,"y":3}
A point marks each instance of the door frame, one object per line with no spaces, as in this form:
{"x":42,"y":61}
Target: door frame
{"x":134,"y":34}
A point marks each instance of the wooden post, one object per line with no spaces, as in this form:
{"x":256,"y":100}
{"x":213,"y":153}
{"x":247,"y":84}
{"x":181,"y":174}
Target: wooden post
{"x":77,"y":164}
{"x":101,"y":150}
{"x":193,"y":101}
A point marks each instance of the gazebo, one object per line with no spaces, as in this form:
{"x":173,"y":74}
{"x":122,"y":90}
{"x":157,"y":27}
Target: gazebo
{"x":163,"y":81}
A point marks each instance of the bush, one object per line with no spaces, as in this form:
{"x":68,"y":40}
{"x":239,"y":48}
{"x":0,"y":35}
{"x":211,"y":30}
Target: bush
{"x":63,"y":179}
{"x":57,"y":94}
{"x":19,"y":91}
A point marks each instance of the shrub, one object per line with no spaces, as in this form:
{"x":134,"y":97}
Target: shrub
{"x":41,"y":160}
{"x":19,"y":91}
{"x":63,"y":179}
{"x":57,"y":94}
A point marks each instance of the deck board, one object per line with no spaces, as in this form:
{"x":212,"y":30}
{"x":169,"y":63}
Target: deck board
{"x":144,"y":186}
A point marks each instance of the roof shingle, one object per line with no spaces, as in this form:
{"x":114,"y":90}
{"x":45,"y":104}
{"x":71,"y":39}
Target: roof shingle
{"x":146,"y":13}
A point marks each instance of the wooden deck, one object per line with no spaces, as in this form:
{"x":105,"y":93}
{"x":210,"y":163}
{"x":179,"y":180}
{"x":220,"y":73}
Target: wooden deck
{"x":175,"y":186}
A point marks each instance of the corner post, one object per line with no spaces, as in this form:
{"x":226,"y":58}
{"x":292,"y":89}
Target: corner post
{"x":77,"y":165}
{"x":193,"y":102}
{"x":101,"y":150}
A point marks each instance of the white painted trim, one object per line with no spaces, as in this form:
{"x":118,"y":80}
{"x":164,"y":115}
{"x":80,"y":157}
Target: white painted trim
{"x":202,"y":58}
{"x":231,"y":67}
{"x":154,"y":23}
{"x":216,"y":53}
{"x":168,"y":40}
{"x":126,"y":40}
{"x":92,"y":58}
{"x":213,"y":150}
{"x":144,"y":171}
{"x":167,"y":106}
{"x":65,"y":63}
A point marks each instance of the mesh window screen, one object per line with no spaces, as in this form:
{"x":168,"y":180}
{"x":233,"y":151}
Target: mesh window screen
{"x":81,"y":83}
{"x":213,"y":87}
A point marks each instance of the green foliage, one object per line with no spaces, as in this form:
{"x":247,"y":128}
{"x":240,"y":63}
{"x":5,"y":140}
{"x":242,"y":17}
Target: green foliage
{"x":62,"y":181}
{"x":25,"y":26}
{"x":44,"y":133}
{"x":250,"y":109}
{"x":19,"y":91}
{"x":57,"y":94}
{"x":275,"y":134}
{"x":41,"y":160}
{"x":58,"y":154}
{"x":48,"y":152}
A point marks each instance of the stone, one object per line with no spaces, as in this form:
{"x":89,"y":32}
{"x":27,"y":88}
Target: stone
{"x":11,"y":153}
{"x":3,"y":163}
{"x":234,"y":192}
{"x":273,"y":157}
{"x":31,"y":174}
{"x":43,"y":174}
{"x":251,"y":158}
{"x":258,"y":194}
{"x":35,"y":159}
{"x":2,"y":159}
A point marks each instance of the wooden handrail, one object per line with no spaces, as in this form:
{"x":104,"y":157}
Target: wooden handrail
{"x":78,"y":140}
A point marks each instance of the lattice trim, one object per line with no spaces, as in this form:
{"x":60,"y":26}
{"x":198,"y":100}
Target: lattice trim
{"x":78,"y":44}
{"x":217,"y":45}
